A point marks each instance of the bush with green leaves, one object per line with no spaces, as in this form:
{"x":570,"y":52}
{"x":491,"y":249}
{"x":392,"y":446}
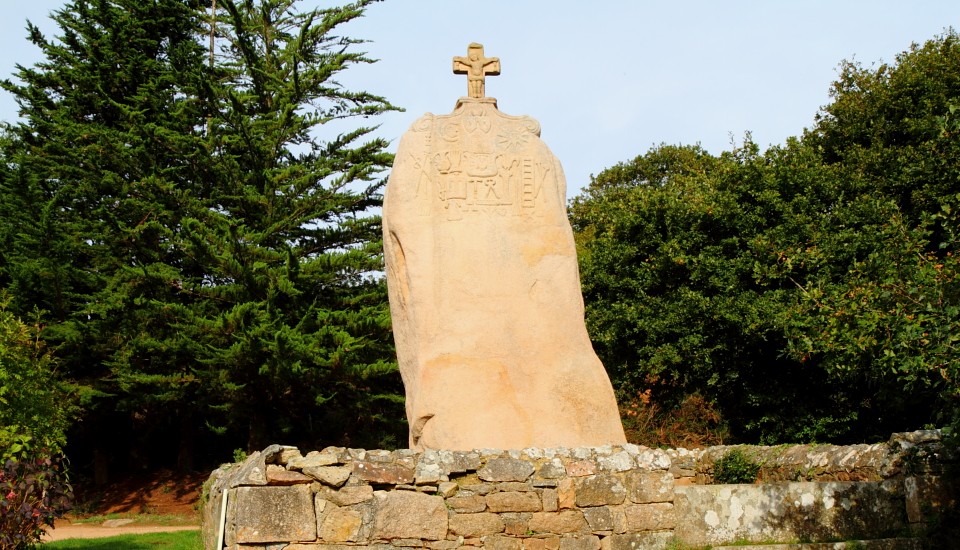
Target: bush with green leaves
{"x":811,"y":291}
{"x":735,"y":466}
{"x":35,"y":408}
{"x":34,"y":492}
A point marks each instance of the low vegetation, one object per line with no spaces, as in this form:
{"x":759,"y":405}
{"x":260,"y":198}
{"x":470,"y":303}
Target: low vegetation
{"x":736,"y":466}
{"x":176,"y":540}
{"x":34,"y":492}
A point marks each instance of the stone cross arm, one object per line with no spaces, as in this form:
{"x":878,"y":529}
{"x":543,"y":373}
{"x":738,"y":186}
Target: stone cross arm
{"x":476,"y":67}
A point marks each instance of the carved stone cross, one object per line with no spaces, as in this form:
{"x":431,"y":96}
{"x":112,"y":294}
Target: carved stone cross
{"x":476,"y":67}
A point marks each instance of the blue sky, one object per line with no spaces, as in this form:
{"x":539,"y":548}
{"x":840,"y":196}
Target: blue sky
{"x":608,"y":79}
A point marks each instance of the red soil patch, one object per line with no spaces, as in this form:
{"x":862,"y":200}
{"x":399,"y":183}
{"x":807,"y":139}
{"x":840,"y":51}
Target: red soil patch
{"x":163,"y":492}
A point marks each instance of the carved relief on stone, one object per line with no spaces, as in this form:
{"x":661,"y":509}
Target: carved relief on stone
{"x":484,"y":288}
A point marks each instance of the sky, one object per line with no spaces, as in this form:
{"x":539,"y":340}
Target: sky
{"x":607,"y":79}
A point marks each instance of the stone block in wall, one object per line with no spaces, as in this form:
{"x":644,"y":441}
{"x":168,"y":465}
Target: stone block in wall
{"x":653,"y":459}
{"x":447,"y":489}
{"x":506,"y":469}
{"x":646,"y":486}
{"x":564,"y":521}
{"x":427,"y":473}
{"x":383,"y":473}
{"x":502,"y":542}
{"x":341,"y":525}
{"x":514,"y":502}
{"x":714,"y":514}
{"x":580,"y":542}
{"x":926,"y":497}
{"x":273,"y":514}
{"x":550,"y":500}
{"x":580,"y":468}
{"x":599,"y":490}
{"x":442,"y":544}
{"x":334,"y":476}
{"x":278,"y":475}
{"x":516,"y":523}
{"x":552,"y":469}
{"x":467,"y":504}
{"x":408,"y":514}
{"x":474,"y":486}
{"x":600,"y":518}
{"x":315,"y":546}
{"x":650,"y":517}
{"x":314,"y":459}
{"x":347,"y":496}
{"x":657,"y":540}
{"x":566,"y":494}
{"x":616,"y":462}
{"x":542,"y":543}
{"x":476,"y":525}
{"x":455,"y":462}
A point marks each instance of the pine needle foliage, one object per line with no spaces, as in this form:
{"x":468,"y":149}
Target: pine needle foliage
{"x":199,"y":221}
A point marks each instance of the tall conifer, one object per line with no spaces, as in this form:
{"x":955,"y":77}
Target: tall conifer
{"x":204,"y":247}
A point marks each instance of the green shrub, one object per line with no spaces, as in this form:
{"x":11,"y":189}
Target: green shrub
{"x":33,"y":493}
{"x":735,"y":467}
{"x":36,"y":407}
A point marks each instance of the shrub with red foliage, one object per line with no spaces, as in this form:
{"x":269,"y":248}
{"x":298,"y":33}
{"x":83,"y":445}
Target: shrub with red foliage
{"x":33,"y":493}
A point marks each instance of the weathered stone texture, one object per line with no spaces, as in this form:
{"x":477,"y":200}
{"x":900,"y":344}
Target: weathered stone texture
{"x":624,"y":509}
{"x":476,"y":525}
{"x":347,"y":496}
{"x":541,"y":543}
{"x":714,"y":514}
{"x":649,"y":517}
{"x":552,"y":469}
{"x":340,"y":525}
{"x":313,"y":459}
{"x":334,"y":476}
{"x":643,"y":486}
{"x":278,"y":475}
{"x":501,"y":542}
{"x":584,"y":542}
{"x":388,"y":474}
{"x":599,"y":518}
{"x":506,"y":469}
{"x":514,"y":502}
{"x":564,"y":521}
{"x":516,"y":523}
{"x":599,"y":490}
{"x":484,"y":289}
{"x":274,"y":514}
{"x":467,"y":504}
{"x":638,"y":541}
{"x":579,"y":468}
{"x":550,"y":500}
{"x":406,"y":514}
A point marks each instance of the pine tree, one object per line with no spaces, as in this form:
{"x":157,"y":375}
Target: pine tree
{"x":291,"y":247}
{"x":204,"y":257}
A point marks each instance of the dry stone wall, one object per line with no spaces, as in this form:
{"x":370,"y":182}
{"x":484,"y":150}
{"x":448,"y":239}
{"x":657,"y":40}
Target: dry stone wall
{"x":609,"y":498}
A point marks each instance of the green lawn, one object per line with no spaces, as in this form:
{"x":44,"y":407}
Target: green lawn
{"x":176,"y":540}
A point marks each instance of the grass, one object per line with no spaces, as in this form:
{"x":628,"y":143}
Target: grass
{"x":176,"y":540}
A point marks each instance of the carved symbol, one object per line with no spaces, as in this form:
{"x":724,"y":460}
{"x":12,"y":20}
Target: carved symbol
{"x":512,"y":138}
{"x":476,"y":67}
{"x":476,"y":119}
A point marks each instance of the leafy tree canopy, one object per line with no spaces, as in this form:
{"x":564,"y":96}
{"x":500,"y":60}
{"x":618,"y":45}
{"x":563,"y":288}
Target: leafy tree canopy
{"x":810,"y":291}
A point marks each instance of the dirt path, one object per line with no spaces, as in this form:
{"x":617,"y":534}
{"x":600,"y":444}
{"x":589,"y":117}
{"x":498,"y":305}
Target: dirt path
{"x":136,"y":503}
{"x":66,"y":530}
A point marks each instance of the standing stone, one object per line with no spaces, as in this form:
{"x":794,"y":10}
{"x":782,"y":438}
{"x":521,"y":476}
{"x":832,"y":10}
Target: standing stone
{"x":484,"y":287}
